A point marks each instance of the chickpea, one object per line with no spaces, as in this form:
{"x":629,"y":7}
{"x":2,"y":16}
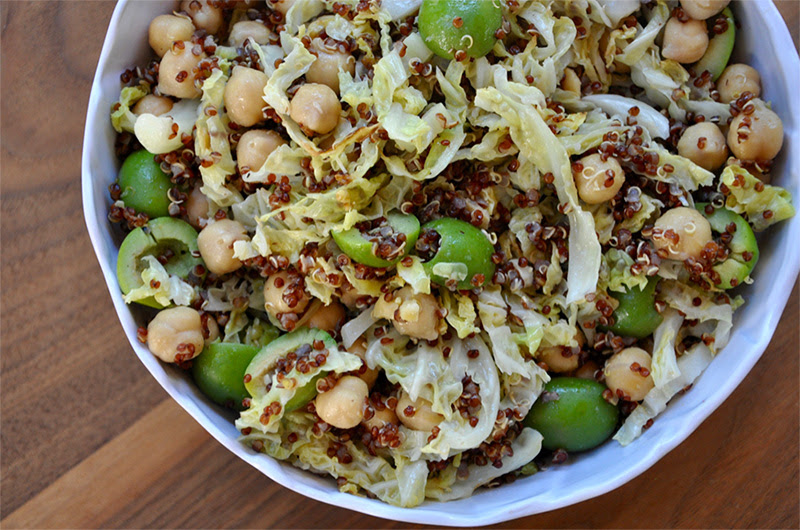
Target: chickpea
{"x":176,"y":334}
{"x":282,"y":6}
{"x":562,"y":359}
{"x":175,"y":77}
{"x":382,"y":417}
{"x":256,"y":32}
{"x":284,"y":292}
{"x":571,"y":82}
{"x":370,"y":375}
{"x":737,"y":79}
{"x":703,"y":9}
{"x":343,"y":405}
{"x":587,"y":370}
{"x":756,"y":136}
{"x":685,"y":42}
{"x":215,"y":243}
{"x":152,"y":104}
{"x":417,"y":415}
{"x":197,"y":207}
{"x":315,"y":108}
{"x":243,"y":95}
{"x":166,"y":29}
{"x":413,"y":315}
{"x":704,"y":144}
{"x":681,"y":232}
{"x":628,"y":374}
{"x":325,"y":69}
{"x":204,"y":15}
{"x":328,"y":318}
{"x":598,"y":180}
{"x":254,"y":148}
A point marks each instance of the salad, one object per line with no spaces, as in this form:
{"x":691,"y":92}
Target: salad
{"x":427,"y":246}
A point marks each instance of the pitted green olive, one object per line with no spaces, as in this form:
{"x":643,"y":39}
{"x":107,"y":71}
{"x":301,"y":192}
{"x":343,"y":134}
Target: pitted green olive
{"x":572,"y":414}
{"x":448,"y":26}
{"x":143,"y":185}
{"x":463,"y":250}
{"x":743,"y":245}
{"x":361,"y":245}
{"x":636,"y":315}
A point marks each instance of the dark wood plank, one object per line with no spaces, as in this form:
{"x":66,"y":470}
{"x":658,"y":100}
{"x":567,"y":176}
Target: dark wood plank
{"x":88,"y":439}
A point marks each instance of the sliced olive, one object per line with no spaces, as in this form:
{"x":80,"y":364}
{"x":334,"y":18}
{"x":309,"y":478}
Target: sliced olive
{"x":304,"y":394}
{"x":572,"y":415}
{"x":636,"y":315}
{"x":392,"y":237}
{"x":264,"y":363}
{"x":219,"y":372}
{"x":167,"y":238}
{"x":143,"y":185}
{"x":743,"y":245}
{"x":461,"y":247}
{"x":719,"y":48}
{"x":447,"y":26}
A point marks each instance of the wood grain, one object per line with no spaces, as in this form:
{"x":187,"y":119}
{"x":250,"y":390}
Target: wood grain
{"x":89,"y":440}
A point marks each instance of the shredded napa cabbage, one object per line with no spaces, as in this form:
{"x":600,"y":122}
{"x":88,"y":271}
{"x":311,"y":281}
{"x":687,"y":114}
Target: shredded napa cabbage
{"x":745,"y":198}
{"x":157,"y":283}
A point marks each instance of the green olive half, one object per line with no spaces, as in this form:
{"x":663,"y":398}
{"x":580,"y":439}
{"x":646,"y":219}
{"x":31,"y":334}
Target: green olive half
{"x":166,"y":237}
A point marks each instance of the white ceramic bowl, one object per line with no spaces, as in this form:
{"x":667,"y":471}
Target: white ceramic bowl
{"x":763,"y":42}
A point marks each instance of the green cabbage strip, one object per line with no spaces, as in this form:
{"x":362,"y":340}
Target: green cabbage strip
{"x":743,"y":198}
{"x":123,"y":119}
{"x":690,"y":365}
{"x":538,"y":145}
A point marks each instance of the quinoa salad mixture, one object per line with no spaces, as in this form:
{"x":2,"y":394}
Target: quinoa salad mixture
{"x":427,"y":246}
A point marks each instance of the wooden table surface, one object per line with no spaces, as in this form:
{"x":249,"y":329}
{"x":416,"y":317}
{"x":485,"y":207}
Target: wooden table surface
{"x":89,"y":439}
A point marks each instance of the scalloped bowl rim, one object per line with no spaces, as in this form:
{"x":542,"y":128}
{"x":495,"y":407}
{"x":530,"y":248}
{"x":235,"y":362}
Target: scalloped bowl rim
{"x":587,"y":476}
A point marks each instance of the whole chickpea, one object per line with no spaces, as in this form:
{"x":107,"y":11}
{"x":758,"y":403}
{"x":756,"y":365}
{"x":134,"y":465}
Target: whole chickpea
{"x":681,"y":233}
{"x":756,"y":136}
{"x":704,"y":144}
{"x":562,"y":359}
{"x":325,"y":69}
{"x":256,"y":32}
{"x":571,"y":82}
{"x":197,"y":206}
{"x":166,"y":29}
{"x":417,"y":415}
{"x":628,"y":374}
{"x":413,"y":315}
{"x":176,"y":334}
{"x":215,"y":243}
{"x":381,"y":418}
{"x":370,"y":375}
{"x":175,"y":77}
{"x":343,"y":405}
{"x":703,"y":9}
{"x":348,"y":295}
{"x":315,"y":108}
{"x":152,"y":104}
{"x":598,"y":180}
{"x":243,"y":95}
{"x":328,"y":318}
{"x":737,"y":79}
{"x":254,"y":148}
{"x":204,"y":15}
{"x":284,"y":292}
{"x":685,"y":42}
